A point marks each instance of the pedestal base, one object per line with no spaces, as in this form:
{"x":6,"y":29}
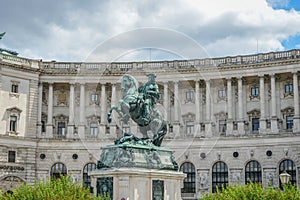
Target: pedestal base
{"x":137,"y":183}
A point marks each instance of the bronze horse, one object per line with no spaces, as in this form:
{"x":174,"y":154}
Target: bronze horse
{"x":132,"y":106}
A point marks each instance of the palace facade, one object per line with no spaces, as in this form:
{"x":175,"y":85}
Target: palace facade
{"x":230,"y":119}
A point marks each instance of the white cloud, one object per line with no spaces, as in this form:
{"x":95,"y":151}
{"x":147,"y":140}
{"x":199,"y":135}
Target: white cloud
{"x":70,"y":31}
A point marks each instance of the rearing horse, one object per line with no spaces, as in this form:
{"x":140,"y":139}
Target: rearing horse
{"x":131,"y":106}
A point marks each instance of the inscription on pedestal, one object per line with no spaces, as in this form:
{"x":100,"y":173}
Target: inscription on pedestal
{"x":157,"y":190}
{"x":105,"y":186}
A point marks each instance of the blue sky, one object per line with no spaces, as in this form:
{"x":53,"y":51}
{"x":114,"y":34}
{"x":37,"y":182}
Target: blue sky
{"x":292,"y":42}
{"x":71,"y":30}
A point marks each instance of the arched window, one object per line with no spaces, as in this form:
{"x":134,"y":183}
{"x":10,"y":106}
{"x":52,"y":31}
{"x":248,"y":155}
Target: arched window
{"x":219,"y":175}
{"x":57,"y":170}
{"x":253,"y":172}
{"x":189,"y":183}
{"x":86,"y":178}
{"x":290,"y":168}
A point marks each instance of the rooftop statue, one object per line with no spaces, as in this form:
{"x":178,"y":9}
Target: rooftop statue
{"x":1,"y":35}
{"x":139,"y":104}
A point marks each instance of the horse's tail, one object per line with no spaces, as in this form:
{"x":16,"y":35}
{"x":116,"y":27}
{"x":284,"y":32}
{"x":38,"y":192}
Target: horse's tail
{"x":109,"y":114}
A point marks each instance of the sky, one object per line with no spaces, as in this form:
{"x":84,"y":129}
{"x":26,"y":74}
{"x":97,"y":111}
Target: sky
{"x":140,"y":30}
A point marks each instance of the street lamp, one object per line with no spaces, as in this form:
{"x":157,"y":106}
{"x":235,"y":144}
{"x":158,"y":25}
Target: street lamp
{"x":284,"y":177}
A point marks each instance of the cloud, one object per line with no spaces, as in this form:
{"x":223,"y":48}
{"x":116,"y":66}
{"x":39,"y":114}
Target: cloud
{"x":72,"y":30}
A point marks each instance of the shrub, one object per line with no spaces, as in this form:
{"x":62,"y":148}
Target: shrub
{"x":255,"y":191}
{"x":55,"y":189}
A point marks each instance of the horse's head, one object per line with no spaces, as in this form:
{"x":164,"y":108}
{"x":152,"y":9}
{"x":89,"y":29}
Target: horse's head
{"x":129,"y":84}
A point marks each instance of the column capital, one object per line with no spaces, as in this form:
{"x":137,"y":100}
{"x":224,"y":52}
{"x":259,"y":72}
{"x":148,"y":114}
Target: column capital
{"x":240,"y":77}
{"x":272,"y":74}
{"x":50,"y":82}
{"x":228,"y":78}
{"x":295,"y":72}
{"x":261,"y":75}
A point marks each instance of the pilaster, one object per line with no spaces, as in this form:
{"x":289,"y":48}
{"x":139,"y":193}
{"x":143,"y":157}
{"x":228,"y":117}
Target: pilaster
{"x":49,"y":127}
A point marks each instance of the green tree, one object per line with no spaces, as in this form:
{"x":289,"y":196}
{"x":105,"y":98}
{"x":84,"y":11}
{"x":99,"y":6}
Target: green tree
{"x":255,"y":191}
{"x":62,"y":188}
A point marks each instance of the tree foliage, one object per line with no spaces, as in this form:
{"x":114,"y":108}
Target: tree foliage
{"x":62,"y":188}
{"x":255,"y":191}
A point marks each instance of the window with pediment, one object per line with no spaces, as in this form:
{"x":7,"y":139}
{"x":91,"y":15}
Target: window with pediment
{"x":288,"y":116}
{"x":61,"y":122}
{"x":93,"y":123}
{"x":254,"y":117}
{"x":189,"y":120}
{"x":221,"y":119}
{"x":13,"y":118}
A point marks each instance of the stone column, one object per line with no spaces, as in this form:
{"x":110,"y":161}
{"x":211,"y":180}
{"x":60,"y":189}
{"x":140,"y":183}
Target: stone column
{"x":197,"y":105}
{"x":274,"y":120}
{"x":102,"y":131}
{"x":166,"y":102}
{"x":176,"y":124}
{"x":208,"y":125}
{"x":262,"y":120}
{"x":81,"y":126}
{"x":39,"y":117}
{"x":49,"y":128}
{"x":296,"y":121}
{"x":70,"y":132}
{"x":112,"y":125}
{"x":229,"y":124}
{"x":241,"y":128}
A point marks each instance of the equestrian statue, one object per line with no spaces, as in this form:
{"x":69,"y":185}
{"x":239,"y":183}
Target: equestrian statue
{"x":139,"y":104}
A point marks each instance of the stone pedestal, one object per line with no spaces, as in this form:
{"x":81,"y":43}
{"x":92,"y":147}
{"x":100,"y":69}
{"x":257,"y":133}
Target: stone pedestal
{"x":134,"y":169}
{"x":138,"y":183}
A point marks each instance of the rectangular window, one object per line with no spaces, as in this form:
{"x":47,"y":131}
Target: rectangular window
{"x":255,"y":124}
{"x":222,"y":125}
{"x":43,"y":127}
{"x":254,"y":91}
{"x":222,"y":93}
{"x":171,"y":128}
{"x":288,"y":88}
{"x":94,"y":97}
{"x":14,"y":88}
{"x":11,"y":156}
{"x":189,"y":128}
{"x":61,"y":128}
{"x":202,"y":127}
{"x":13,"y":123}
{"x":235,"y":126}
{"x":94,"y":129}
{"x":289,"y":122}
{"x":189,"y":95}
